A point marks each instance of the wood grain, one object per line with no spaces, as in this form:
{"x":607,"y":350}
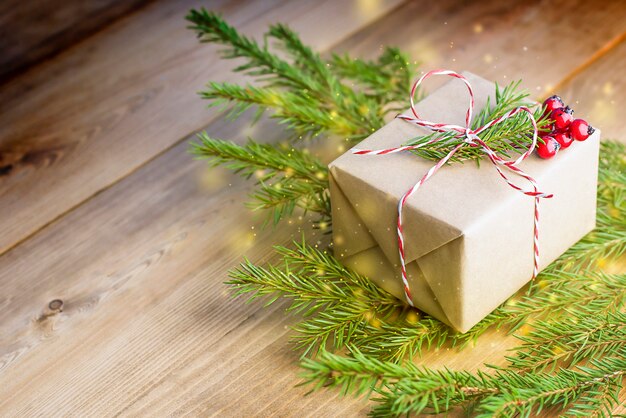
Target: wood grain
{"x":598,"y":94}
{"x":142,"y":308}
{"x":539,"y":42}
{"x":31,"y":31}
{"x":147,"y":327}
{"x":96,"y":113}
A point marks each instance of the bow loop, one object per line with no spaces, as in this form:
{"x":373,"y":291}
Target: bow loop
{"x":440,"y":126}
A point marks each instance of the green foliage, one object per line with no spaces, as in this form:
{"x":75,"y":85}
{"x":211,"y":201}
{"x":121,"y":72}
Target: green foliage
{"x":386,"y":80}
{"x":287,"y":177}
{"x":506,"y":138}
{"x":307,"y":93}
{"x":571,"y":356}
{"x":410,"y":389}
{"x":571,"y":340}
{"x":608,"y":241}
{"x":339,"y":305}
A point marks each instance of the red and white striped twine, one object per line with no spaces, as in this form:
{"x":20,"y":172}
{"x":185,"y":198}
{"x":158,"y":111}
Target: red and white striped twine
{"x":471,"y":139}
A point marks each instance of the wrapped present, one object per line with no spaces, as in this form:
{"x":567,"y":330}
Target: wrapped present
{"x":468,"y":239}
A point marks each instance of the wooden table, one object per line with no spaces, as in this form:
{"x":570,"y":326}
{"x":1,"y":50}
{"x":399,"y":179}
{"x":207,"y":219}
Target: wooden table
{"x":104,"y":211}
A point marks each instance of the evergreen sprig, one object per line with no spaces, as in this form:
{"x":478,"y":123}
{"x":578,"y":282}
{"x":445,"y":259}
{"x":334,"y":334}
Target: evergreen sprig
{"x":258,"y":60}
{"x":287,"y":176}
{"x":507,"y":138}
{"x":572,"y":355}
{"x":569,"y":341}
{"x":339,"y":305}
{"x":410,"y":389}
{"x":557,"y":292}
{"x":306,"y":93}
{"x":608,"y":240}
{"x":386,"y":79}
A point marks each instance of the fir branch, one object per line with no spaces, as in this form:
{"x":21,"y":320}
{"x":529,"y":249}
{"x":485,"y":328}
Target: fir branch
{"x":569,"y":341}
{"x":530,"y":394}
{"x":387,"y":80}
{"x":255,"y":156}
{"x":594,"y":403}
{"x":288,"y":177}
{"x":608,"y":240}
{"x":334,"y":328}
{"x":305,"y":94}
{"x":350,"y":322}
{"x":287,"y":193}
{"x":314,"y":262}
{"x":398,"y":341}
{"x":557,"y":292}
{"x":591,"y":293}
{"x":307,"y":296}
{"x":409,"y":389}
{"x":340,"y":305}
{"x":401,"y":389}
{"x":511,"y":136}
{"x":306,"y":60}
{"x":291,"y":109}
{"x":259,"y":61}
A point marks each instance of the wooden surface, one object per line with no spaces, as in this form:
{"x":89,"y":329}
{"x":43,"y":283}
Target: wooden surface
{"x":102,"y":207}
{"x":33,"y":30}
{"x":130,"y":81}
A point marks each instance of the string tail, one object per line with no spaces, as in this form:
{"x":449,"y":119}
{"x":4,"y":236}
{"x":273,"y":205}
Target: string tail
{"x":536,"y":240}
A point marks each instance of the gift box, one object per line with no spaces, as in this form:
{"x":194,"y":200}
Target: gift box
{"x":468,"y":236}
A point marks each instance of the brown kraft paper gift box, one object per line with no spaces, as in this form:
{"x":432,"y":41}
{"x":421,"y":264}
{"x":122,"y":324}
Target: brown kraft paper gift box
{"x":468,"y":235}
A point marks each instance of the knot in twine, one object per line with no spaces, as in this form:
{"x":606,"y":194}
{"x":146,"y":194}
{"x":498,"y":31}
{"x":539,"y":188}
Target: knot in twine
{"x":470,"y":138}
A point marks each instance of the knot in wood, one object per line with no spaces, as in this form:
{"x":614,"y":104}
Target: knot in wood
{"x":56,"y":305}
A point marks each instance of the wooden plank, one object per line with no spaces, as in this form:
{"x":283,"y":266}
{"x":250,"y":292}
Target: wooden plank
{"x":537,"y":42}
{"x":147,"y":326}
{"x":31,"y":31}
{"x":86,"y":119}
{"x":598,"y":93}
{"x":143,"y":303}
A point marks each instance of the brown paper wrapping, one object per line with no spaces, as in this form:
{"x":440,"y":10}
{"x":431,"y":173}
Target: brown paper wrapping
{"x":468,"y":235}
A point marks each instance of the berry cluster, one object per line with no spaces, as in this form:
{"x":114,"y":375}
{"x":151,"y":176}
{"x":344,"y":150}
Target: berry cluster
{"x":565,"y":129}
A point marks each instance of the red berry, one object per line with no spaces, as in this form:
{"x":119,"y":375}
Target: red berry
{"x":563,"y":138}
{"x":552,"y":103}
{"x":562,"y":118}
{"x":549,"y":147}
{"x":580,"y":130}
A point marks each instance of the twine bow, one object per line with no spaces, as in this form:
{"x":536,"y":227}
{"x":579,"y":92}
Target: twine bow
{"x":471,"y":138}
